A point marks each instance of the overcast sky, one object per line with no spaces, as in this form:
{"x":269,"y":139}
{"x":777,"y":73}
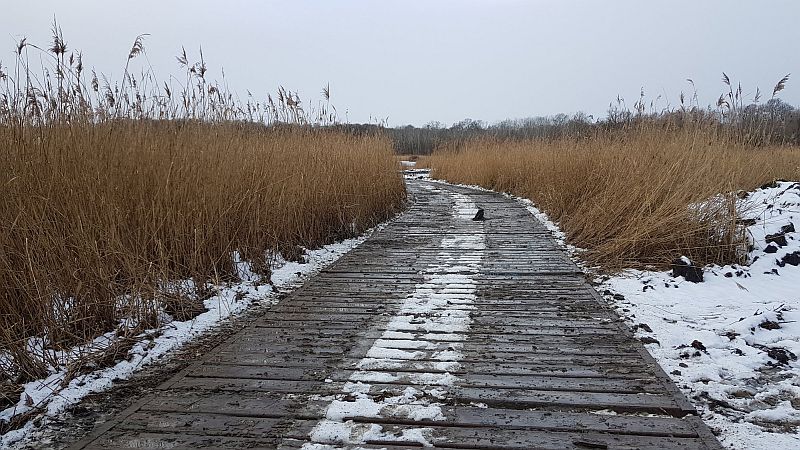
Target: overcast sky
{"x":420,"y":61}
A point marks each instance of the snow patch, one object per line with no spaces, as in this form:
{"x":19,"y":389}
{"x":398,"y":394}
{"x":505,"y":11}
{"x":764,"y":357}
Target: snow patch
{"x":437,"y":309}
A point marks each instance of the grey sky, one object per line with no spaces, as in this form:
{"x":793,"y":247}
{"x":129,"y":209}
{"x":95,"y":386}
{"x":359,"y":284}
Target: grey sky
{"x":418,"y":61}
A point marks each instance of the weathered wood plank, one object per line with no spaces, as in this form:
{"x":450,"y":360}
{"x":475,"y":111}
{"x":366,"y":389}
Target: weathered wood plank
{"x":176,"y":440}
{"x":347,"y":368}
{"x":522,"y":355}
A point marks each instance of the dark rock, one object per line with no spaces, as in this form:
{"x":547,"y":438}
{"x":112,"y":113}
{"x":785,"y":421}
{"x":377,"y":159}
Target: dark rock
{"x":771,"y":184}
{"x":675,"y":372}
{"x":618,"y":297}
{"x":791,"y":259}
{"x":698,"y":345}
{"x":645,"y":327}
{"x":769,"y":325}
{"x":746,"y":222}
{"x":737,"y":351}
{"x":292,"y":252}
{"x":684,"y":365}
{"x":649,"y":340}
{"x":714,"y":404}
{"x":182,"y":307}
{"x":584,"y":443}
{"x":479,"y":215}
{"x":80,"y":411}
{"x":778,"y":238}
{"x":741,"y":393}
{"x":781,"y":355}
{"x":728,"y":275}
{"x":771,"y":249}
{"x":787,"y":228}
{"x":688,"y":271}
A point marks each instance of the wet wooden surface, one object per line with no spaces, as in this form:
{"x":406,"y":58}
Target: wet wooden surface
{"x":487,"y":324}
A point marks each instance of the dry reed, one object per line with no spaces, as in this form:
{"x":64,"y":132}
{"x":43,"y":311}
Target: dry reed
{"x":113,"y":195}
{"x":633,"y":198}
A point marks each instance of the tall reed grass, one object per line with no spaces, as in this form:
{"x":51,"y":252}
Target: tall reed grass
{"x":111,"y":193}
{"x":635,"y":197}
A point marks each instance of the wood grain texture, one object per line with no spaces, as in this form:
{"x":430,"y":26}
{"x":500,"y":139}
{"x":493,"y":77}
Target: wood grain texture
{"x":544,"y":363}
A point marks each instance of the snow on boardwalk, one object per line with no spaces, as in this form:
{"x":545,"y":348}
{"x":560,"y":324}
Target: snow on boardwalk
{"x":438,"y":331}
{"x":439,"y":308}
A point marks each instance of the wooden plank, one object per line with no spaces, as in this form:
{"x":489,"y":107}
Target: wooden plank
{"x":176,"y":440}
{"x":570,"y":421}
{"x":553,"y":421}
{"x":573,"y":355}
{"x":490,"y":328}
{"x":542,"y":360}
{"x":284,"y":381}
{"x":562,"y":368}
{"x":342,"y":336}
{"x":240,"y":404}
{"x":346,"y":368}
{"x":598,"y":393}
{"x":662,"y":403}
{"x":207,"y":424}
{"x":502,"y":438}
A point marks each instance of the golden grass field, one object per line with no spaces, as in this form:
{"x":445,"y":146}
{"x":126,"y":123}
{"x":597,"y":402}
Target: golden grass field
{"x":120,"y":201}
{"x":95,"y":214}
{"x":627,"y":196}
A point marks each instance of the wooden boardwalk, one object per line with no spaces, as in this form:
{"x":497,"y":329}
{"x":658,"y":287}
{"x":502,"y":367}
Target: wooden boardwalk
{"x":437,"y":331}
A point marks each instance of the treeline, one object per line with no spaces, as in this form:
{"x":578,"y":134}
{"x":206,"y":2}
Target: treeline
{"x":773,"y":122}
{"x":411,"y":140}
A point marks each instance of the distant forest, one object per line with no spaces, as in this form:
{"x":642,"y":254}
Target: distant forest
{"x":769,"y":123}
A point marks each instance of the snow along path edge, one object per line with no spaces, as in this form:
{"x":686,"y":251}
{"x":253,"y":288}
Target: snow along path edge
{"x":231,"y":301}
{"x":721,"y":340}
{"x":440,"y":304}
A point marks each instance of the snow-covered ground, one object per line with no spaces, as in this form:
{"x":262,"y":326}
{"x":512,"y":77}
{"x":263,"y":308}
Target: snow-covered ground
{"x":731,"y":342}
{"x":51,"y":398}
